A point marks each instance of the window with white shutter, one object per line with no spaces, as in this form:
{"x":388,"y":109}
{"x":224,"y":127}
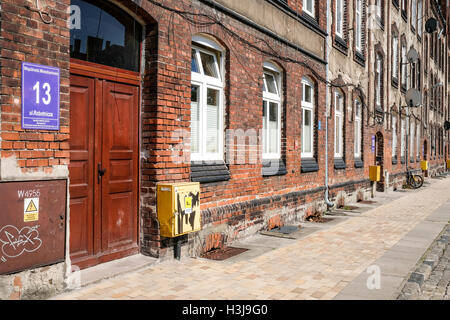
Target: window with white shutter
{"x":271,"y":112}
{"x":206,"y":100}
{"x":307,"y":119}
{"x":339,"y":126}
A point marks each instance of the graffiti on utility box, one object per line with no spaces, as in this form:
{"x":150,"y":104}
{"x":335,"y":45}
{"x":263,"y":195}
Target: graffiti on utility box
{"x":32,"y":224}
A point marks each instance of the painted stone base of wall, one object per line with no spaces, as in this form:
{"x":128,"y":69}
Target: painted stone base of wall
{"x":35,"y":284}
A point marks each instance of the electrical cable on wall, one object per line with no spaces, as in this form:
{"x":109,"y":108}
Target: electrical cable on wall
{"x":41,"y":13}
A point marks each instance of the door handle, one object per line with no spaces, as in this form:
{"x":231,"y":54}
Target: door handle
{"x":101,"y":172}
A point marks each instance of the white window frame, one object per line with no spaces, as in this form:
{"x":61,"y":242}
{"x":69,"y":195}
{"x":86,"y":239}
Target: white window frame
{"x":414,"y":14}
{"x":402,"y":137}
{"x":339,"y":29}
{"x":420,"y":17}
{"x":404,"y":81}
{"x":395,"y":47}
{"x":205,"y":82}
{"x":305,"y":8}
{"x":308,"y":106}
{"x":417,"y":140}
{"x":378,"y":8}
{"x":338,"y":115}
{"x":394,"y":136}
{"x":378,"y":73}
{"x":358,"y":129}
{"x":268,"y":97}
{"x":358,"y":30}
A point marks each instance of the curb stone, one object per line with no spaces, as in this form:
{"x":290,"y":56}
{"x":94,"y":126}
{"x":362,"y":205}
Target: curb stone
{"x":429,"y":262}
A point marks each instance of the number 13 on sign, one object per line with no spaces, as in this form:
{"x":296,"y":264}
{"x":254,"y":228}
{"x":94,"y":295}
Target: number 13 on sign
{"x":47,"y":99}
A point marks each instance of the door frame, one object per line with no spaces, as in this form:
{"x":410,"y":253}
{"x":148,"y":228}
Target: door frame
{"x":98,"y":71}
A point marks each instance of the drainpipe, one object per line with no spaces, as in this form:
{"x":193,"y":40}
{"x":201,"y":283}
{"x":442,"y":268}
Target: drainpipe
{"x":327,"y":201}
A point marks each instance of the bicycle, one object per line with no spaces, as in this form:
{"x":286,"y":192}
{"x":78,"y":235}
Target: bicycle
{"x":414,"y":181}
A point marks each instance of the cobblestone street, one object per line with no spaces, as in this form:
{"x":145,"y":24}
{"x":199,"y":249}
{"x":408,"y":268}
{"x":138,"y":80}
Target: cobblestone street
{"x":431,"y":279}
{"x":331,"y":262}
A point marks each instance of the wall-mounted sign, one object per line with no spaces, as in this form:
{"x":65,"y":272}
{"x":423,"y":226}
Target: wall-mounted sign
{"x":40,"y":97}
{"x":373,"y":143}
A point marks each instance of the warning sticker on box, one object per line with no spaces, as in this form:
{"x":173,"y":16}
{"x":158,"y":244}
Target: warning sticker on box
{"x":188,"y":205}
{"x":31,"y":209}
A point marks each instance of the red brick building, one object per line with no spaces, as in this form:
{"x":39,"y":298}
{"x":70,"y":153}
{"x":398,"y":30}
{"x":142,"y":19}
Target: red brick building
{"x":226,"y":93}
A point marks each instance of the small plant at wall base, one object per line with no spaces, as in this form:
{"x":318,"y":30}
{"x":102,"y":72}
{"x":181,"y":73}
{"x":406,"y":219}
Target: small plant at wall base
{"x":340,"y":203}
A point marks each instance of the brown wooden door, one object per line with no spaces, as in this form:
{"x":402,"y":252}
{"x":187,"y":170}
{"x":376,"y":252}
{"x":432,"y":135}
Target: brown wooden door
{"x":81,"y":168}
{"x":104,"y":139}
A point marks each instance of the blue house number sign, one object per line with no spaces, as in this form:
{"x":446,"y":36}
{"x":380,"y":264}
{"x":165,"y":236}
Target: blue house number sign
{"x":40,"y":97}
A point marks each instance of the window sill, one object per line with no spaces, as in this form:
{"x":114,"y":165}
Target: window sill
{"x":403,"y":89}
{"x":340,"y":44}
{"x":380,"y":22}
{"x":339,"y":164}
{"x":273,"y":167}
{"x":359,"y":163}
{"x":396,"y":4}
{"x":394,"y":83}
{"x":404,"y":15}
{"x":209,"y":171}
{"x":394,"y":160}
{"x":359,"y":58}
{"x":309,"y":165}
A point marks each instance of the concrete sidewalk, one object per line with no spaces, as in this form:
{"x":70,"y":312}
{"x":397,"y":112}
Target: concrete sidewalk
{"x":330,"y":261}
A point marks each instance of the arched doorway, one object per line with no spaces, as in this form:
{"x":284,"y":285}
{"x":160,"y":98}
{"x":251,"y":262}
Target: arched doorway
{"x":379,"y":159}
{"x":104,"y":126}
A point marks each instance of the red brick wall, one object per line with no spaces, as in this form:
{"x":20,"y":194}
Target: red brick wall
{"x":24,"y":37}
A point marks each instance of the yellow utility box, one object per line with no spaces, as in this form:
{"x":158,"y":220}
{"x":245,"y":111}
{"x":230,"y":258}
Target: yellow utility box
{"x":424,"y":165}
{"x":178,"y":206}
{"x":448,"y":164}
{"x":375,"y":173}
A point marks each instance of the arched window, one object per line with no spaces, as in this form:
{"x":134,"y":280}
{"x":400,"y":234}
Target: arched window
{"x":339,"y":124}
{"x":106,"y":36}
{"x":402,"y":139}
{"x":340,"y":17}
{"x":358,"y":25}
{"x":358,"y":129}
{"x":308,"y":118}
{"x":394,"y":138}
{"x":207,"y":87}
{"x":404,"y":82}
{"x":271,"y":112}
{"x":412,"y":131}
{"x":379,"y":82}
{"x":417,"y":141}
{"x":395,"y":58}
